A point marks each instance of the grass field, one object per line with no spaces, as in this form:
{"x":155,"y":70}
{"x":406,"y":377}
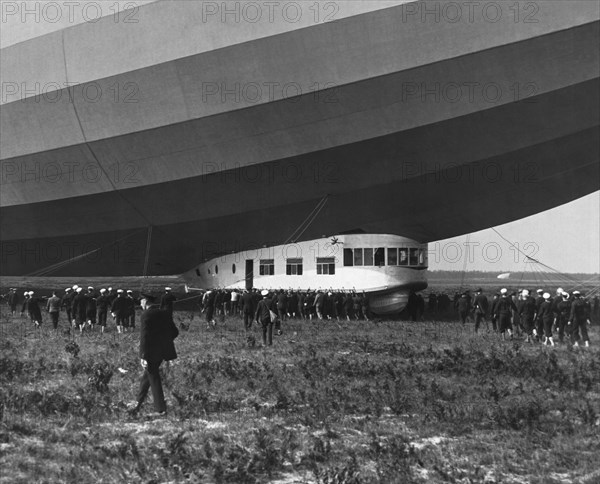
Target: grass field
{"x":348,"y":402}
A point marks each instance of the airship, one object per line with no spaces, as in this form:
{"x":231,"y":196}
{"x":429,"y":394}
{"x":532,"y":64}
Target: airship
{"x":153,"y":140}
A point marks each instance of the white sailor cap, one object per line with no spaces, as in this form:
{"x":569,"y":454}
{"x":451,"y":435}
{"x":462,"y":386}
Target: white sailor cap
{"x":525,"y":292}
{"x":576,"y":293}
{"x":167,"y":288}
{"x":503,"y":290}
{"x":264,"y":292}
{"x":119,"y":291}
{"x":30,"y":293}
{"x":90,"y":288}
{"x":110,"y":288}
{"x":129,"y":291}
{"x":79,"y":289}
{"x":26,"y":293}
{"x":559,"y":290}
{"x":540,"y":291}
{"x":68,"y":289}
{"x":75,"y":287}
{"x":102,"y":291}
{"x":546,"y":295}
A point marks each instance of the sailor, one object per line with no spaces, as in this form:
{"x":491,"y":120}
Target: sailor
{"x":546,"y":315}
{"x":90,"y":311}
{"x":80,"y":308}
{"x":495,"y":300}
{"x":53,"y":308}
{"x":13,"y":300}
{"x":463,"y":306}
{"x":247,"y":309}
{"x":209,"y":306}
{"x":318,"y":304}
{"x":111,"y":295}
{"x":557,"y":299}
{"x":235,"y":296}
{"x":502,"y":311}
{"x":66,"y":303}
{"x":167,"y":300}
{"x":527,"y":311}
{"x":580,"y":315}
{"x":539,"y":329}
{"x":348,"y":306}
{"x":563,"y":312}
{"x":480,"y":307}
{"x":130,"y":318}
{"x":72,"y":295}
{"x":33,"y":309}
{"x":118,"y":309}
{"x":102,"y":304}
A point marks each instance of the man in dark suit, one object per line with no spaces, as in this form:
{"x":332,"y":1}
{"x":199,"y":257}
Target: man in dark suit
{"x":157,"y":332}
{"x":167,"y":300}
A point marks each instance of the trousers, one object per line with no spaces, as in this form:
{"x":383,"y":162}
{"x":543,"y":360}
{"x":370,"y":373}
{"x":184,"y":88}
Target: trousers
{"x":151,"y":380}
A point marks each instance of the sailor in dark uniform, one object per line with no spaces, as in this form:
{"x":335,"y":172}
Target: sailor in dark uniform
{"x":119,"y":310}
{"x":90,"y":311}
{"x":80,"y":308}
{"x":563,"y":312}
{"x":463,"y":306}
{"x":527,"y":310}
{"x":539,"y":329}
{"x":130,"y":319}
{"x":546,"y":315}
{"x":579,"y":317}
{"x":247,"y":309}
{"x":13,"y":300}
{"x":503,"y":311}
{"x":66,"y":303}
{"x":102,"y":304}
{"x":31,"y":305}
{"x":480,"y":306}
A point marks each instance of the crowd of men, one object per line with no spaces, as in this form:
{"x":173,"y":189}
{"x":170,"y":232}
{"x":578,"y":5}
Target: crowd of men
{"x":536,"y":318}
{"x":85,"y":309}
{"x":317,"y":304}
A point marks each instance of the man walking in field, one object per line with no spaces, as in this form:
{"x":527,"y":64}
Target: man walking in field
{"x":579,"y":317}
{"x":527,"y":310}
{"x":480,"y":306}
{"x":157,"y":333}
{"x":53,"y":308}
{"x":119,"y":310}
{"x":503,"y":309}
{"x":263,"y":316}
{"x":80,"y":309}
{"x":33,"y":309}
{"x":13,"y":300}
{"x":102,"y":303}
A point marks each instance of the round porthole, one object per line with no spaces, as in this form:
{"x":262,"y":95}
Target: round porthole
{"x":209,"y":271}
{"x":216,"y":269}
{"x":233,"y":268}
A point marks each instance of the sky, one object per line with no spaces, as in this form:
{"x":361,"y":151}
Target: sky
{"x":566,"y":238}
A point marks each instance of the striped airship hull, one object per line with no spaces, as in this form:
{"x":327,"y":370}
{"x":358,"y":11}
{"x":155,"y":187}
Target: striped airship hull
{"x":148,"y":147}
